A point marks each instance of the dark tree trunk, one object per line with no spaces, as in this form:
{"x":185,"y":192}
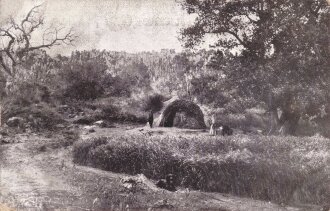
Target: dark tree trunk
{"x":3,"y":82}
{"x":286,"y":122}
{"x":289,"y":122}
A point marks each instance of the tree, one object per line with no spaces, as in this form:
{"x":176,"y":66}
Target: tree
{"x":254,"y":25}
{"x":84,"y":76}
{"x":136,"y":75}
{"x":16,"y":38}
{"x":283,"y":47}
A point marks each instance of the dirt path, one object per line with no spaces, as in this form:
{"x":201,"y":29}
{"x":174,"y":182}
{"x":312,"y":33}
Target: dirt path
{"x":30,"y":181}
{"x":35,"y":175}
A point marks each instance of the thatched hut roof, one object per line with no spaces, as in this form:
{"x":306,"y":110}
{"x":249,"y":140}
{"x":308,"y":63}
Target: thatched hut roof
{"x":174,"y":105}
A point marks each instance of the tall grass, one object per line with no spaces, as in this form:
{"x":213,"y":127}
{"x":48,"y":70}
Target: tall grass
{"x":279,"y":169}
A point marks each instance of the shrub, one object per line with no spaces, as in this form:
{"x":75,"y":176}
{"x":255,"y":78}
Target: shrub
{"x":117,"y":87}
{"x":113,"y":113}
{"x":38,"y":116}
{"x":26,"y":93}
{"x":84,"y":90}
{"x":81,"y":150}
{"x":154,"y":103}
{"x":123,"y":155}
{"x":83,"y":77}
{"x":277,"y":169}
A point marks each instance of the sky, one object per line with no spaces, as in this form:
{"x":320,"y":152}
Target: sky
{"x":117,"y":25}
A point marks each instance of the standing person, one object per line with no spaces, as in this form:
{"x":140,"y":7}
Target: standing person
{"x":213,"y":119}
{"x":151,"y":118}
{"x":212,"y":128}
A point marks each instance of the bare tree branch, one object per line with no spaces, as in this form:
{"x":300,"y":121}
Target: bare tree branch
{"x":250,"y":19}
{"x":7,"y":49}
{"x":30,"y":14}
{"x":67,"y":39}
{"x":18,"y":39}
{"x":33,"y":25}
{"x":237,"y":38}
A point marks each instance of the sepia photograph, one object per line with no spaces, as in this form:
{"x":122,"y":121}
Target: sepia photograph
{"x":155,"y":105}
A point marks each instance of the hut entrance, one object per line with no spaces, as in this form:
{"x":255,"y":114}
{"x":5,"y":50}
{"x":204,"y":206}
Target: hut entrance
{"x":186,"y":110}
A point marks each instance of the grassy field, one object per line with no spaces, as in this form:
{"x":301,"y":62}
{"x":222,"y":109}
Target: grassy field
{"x":288,"y":170}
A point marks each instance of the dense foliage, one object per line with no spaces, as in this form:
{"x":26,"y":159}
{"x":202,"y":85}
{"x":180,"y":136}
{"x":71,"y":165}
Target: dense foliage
{"x":282,"y":47}
{"x":217,"y":80}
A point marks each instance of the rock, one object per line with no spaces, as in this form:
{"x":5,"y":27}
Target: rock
{"x":29,"y":130}
{"x":167,"y":183}
{"x":15,"y":122}
{"x":100,"y":123}
{"x":83,"y":121}
{"x":60,"y":126}
{"x":129,"y":183}
{"x":5,"y":141}
{"x":64,"y":107}
{"x":141,"y":182}
{"x":72,"y":116}
{"x":90,"y":129}
{"x":73,"y":126}
{"x":163,"y":204}
{"x":38,"y":106}
{"x":3,"y":133}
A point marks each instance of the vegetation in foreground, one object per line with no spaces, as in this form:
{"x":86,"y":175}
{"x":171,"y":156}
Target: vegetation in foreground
{"x":279,"y":169}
